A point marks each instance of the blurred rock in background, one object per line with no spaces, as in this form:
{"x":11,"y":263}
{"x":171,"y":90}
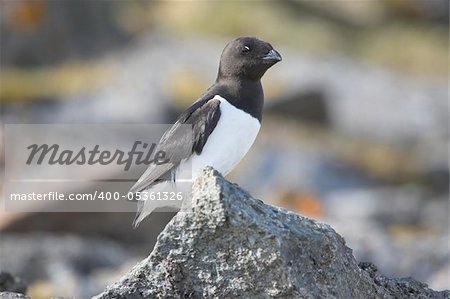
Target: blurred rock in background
{"x":355,"y":130}
{"x":39,"y":33}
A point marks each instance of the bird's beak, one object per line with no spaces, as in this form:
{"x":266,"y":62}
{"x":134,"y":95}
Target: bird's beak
{"x":272,"y":57}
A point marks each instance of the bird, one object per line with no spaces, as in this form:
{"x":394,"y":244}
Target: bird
{"x":222,"y":124}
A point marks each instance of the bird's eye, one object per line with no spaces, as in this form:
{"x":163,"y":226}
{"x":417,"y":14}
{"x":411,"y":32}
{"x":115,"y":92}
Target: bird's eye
{"x":246,"y":49}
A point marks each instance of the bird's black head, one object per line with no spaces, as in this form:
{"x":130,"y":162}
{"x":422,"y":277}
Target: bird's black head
{"x":247,"y":58}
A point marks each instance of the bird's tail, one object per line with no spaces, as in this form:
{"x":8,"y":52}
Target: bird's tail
{"x":163,"y":196}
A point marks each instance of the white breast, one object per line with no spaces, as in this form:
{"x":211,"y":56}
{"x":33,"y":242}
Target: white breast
{"x":230,"y":140}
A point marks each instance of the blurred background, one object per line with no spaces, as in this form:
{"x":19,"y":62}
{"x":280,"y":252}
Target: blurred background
{"x":355,"y":130}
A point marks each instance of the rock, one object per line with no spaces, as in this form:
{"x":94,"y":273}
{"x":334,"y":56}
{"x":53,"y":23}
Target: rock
{"x":60,"y":265}
{"x":22,"y":23}
{"x":9,"y":283}
{"x":227,"y":245}
{"x":11,"y":295}
{"x":308,"y":106}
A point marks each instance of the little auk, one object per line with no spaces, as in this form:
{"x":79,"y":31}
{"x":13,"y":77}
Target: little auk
{"x":224,"y":121}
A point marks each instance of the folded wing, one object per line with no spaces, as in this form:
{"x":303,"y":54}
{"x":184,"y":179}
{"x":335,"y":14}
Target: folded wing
{"x":179,"y":143}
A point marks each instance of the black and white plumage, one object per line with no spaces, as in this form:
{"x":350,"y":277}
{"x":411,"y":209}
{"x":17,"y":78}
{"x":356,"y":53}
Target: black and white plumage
{"x":225,"y":120}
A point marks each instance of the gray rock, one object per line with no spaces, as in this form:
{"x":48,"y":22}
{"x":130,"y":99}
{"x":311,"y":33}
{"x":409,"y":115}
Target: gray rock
{"x":227,"y":245}
{"x":10,"y":283}
{"x":11,"y":295}
{"x":66,"y":262}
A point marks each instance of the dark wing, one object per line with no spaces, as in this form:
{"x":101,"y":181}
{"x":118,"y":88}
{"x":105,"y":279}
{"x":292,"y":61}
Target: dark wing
{"x":188,"y":135}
